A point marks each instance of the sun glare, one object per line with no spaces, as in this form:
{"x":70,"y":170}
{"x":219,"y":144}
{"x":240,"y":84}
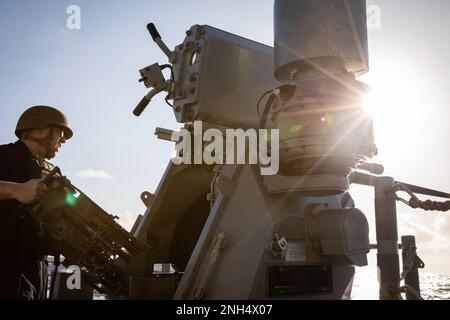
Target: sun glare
{"x":398,"y":104}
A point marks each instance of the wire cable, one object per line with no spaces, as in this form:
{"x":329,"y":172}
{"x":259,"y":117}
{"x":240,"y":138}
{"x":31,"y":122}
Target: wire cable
{"x":259,"y":101}
{"x":415,"y":203}
{"x":172,"y":77}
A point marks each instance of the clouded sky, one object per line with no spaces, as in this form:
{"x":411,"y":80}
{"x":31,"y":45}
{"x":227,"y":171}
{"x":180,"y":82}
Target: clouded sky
{"x":92,"y":75}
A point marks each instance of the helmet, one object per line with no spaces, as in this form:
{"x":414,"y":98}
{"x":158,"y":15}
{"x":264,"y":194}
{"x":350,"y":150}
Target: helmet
{"x":39,"y":117}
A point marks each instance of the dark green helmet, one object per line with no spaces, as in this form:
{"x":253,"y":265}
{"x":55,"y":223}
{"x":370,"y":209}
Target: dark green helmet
{"x":39,"y":117}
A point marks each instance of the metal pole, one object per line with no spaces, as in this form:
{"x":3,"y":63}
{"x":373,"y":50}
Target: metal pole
{"x":387,"y":239}
{"x":412,"y":277}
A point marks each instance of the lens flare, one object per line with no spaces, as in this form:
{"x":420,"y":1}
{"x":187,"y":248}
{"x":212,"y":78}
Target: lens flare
{"x":71,"y":200}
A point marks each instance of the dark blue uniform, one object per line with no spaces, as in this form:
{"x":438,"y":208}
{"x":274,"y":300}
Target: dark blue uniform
{"x":21,"y":248}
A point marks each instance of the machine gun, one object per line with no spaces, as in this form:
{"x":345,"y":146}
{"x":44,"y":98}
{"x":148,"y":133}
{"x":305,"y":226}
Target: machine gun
{"x":85,"y":234}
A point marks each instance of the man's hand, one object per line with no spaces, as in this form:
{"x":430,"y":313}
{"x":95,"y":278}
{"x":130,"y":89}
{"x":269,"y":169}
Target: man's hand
{"x":29,"y":192}
{"x":26,"y":193}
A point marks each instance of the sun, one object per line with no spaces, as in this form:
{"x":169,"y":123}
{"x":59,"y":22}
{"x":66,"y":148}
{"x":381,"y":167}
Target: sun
{"x":398,"y":102}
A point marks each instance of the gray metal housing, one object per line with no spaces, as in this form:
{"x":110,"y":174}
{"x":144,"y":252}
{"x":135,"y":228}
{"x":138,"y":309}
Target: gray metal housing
{"x":220,"y":77}
{"x":319,"y":35}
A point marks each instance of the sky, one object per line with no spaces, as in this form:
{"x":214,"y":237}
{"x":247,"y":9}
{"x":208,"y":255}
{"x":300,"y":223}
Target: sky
{"x":91,"y":74}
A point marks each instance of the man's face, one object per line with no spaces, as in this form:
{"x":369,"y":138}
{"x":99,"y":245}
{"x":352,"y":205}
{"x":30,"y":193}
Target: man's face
{"x":56,"y":139}
{"x":48,"y":139}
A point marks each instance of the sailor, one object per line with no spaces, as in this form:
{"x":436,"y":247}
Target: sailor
{"x":41,"y":131}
